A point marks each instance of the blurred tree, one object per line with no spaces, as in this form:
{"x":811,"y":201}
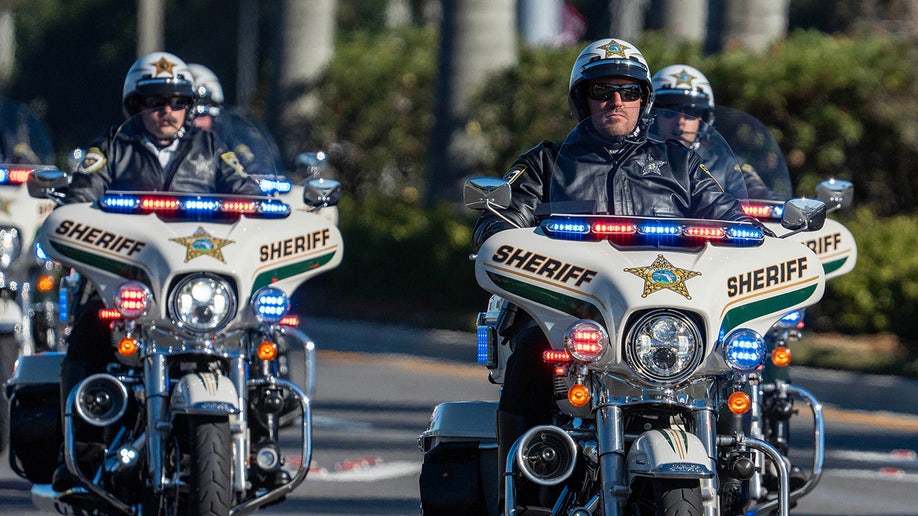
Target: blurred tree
{"x":307,"y":35}
{"x":627,"y":19}
{"x":477,"y":38}
{"x":7,"y":43}
{"x":150,"y":17}
{"x":754,"y":24}
{"x":685,"y":20}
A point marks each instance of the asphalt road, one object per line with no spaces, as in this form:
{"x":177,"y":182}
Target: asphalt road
{"x":377,"y":385}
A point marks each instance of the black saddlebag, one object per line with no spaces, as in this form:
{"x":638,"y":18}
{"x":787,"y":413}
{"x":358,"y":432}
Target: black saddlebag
{"x":459,"y":473}
{"x":35,"y":417}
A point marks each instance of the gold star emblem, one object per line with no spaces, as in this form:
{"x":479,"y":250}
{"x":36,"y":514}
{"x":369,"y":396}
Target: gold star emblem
{"x":5,"y":205}
{"x":684,"y":77}
{"x":614,"y":49}
{"x":661,"y":275}
{"x":163,"y":66}
{"x":202,"y":242}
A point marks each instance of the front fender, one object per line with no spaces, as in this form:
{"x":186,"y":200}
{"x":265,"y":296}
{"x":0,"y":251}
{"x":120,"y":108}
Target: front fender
{"x":669,"y":453}
{"x":204,"y":393}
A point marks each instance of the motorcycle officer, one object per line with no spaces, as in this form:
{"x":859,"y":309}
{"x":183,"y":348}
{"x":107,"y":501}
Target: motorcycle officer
{"x":208,"y":95}
{"x":634,"y":175}
{"x":160,"y":150}
{"x":686,"y":95}
{"x":23,"y":137}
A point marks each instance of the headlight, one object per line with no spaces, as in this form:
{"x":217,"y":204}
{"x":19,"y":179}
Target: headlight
{"x":203,"y":303}
{"x":663,"y":346}
{"x":586,"y":340}
{"x":10,"y":244}
{"x":744,"y":350}
{"x":270,"y":305}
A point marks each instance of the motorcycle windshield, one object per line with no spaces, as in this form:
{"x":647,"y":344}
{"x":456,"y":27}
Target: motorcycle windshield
{"x":763,"y":164}
{"x":598,"y":172}
{"x":226,"y":158}
{"x":249,"y":139}
{"x":23,"y":136}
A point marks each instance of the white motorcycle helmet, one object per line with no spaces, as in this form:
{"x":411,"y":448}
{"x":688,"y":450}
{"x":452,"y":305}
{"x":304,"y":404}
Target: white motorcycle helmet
{"x":208,"y":92}
{"x":608,"y":58}
{"x":155,"y":74}
{"x":680,"y":87}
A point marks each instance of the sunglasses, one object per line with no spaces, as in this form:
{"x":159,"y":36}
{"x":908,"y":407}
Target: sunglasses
{"x":175,"y":103}
{"x":673,"y":111}
{"x":602,"y":91}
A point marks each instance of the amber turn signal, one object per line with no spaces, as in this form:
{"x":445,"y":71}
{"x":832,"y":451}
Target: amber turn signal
{"x":267,"y":350}
{"x":781,"y":356}
{"x":578,"y":395}
{"x":739,"y":402}
{"x":127,"y":346}
{"x":45,"y":283}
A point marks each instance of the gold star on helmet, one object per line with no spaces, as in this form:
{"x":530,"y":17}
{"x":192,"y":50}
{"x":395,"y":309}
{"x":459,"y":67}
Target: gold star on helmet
{"x":661,"y":275}
{"x":614,"y":49}
{"x":201,"y":243}
{"x":684,"y":77}
{"x":5,"y":205}
{"x":163,"y":66}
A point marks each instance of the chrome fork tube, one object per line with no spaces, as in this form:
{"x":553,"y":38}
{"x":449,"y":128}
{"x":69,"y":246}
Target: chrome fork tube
{"x":610,"y":436}
{"x":156,"y":384}
{"x":239,"y":423}
{"x":756,"y":483}
{"x":706,"y":430}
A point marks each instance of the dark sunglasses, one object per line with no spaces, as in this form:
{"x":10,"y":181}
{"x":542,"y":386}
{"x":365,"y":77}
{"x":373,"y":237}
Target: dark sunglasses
{"x":602,"y":91}
{"x":689,"y":111}
{"x":176,"y":103}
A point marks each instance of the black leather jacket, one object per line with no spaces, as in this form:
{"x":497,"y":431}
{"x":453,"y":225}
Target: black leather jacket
{"x":636,"y":176}
{"x":201,"y":164}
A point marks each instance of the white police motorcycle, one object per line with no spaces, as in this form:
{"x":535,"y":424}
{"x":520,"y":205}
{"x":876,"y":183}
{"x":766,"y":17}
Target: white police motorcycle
{"x":197,"y":291}
{"x":658,"y":334}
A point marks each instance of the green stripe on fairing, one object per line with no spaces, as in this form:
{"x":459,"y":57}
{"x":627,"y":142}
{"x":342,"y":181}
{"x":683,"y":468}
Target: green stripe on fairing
{"x":116,"y":267}
{"x":834,"y":266}
{"x":280,"y":273}
{"x":561,"y":302}
{"x":748,"y":312}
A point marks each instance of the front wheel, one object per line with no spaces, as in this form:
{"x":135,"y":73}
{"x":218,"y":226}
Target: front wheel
{"x":666,"y":497}
{"x":211,"y":448}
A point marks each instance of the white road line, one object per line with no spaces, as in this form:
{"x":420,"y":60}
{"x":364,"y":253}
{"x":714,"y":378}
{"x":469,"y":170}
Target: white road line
{"x":383,"y":471}
{"x":882,"y":474}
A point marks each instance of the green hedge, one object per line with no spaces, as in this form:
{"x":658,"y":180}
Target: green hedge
{"x":839,"y":108}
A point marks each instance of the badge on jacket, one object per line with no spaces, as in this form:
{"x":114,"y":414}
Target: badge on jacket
{"x":93,"y":161}
{"x":230,"y":159}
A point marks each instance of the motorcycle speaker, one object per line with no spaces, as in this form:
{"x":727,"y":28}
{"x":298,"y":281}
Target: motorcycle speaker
{"x":546,"y":455}
{"x":101,"y":399}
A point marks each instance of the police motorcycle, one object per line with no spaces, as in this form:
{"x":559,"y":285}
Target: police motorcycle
{"x":257,"y":150}
{"x":196,"y":288}
{"x":775,"y":401}
{"x":29,"y":314}
{"x":657,"y":328}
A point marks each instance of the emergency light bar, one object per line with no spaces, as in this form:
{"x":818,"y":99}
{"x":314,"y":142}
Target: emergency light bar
{"x":193,"y":207}
{"x":637,"y":231}
{"x":16,"y":174}
{"x":766,"y":211}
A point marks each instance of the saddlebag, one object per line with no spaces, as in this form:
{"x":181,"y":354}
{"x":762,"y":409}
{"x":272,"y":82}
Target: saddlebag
{"x":35,"y":416}
{"x":459,"y":473}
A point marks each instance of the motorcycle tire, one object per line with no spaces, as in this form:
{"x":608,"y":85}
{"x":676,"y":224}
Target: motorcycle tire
{"x":211,"y":450}
{"x":666,"y":497}
{"x":9,"y":352}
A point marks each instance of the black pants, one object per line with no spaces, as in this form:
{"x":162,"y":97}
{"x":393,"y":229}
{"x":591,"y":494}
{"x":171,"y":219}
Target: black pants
{"x":528,"y":389}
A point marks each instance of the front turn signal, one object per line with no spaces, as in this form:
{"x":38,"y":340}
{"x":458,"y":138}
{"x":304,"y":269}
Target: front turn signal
{"x":578,"y":395}
{"x":267,"y":350}
{"x":127,"y":346}
{"x":781,"y":356}
{"x":739,"y":402}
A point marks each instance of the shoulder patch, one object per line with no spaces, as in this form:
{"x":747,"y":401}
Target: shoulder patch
{"x":514,"y":173}
{"x":230,"y":159}
{"x":93,"y":161}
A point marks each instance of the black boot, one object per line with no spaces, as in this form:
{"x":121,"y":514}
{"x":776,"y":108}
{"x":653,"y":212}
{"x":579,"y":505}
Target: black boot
{"x":511,"y":427}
